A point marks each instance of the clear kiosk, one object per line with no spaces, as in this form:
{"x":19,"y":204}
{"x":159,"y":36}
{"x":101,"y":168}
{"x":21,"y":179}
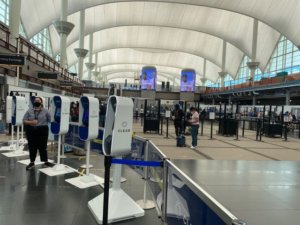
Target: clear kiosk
{"x":88,"y":130}
{"x":116,"y":143}
{"x":60,"y":113}
{"x":16,"y":107}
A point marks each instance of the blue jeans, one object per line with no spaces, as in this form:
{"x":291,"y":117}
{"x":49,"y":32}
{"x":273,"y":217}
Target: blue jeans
{"x":194,"y":134}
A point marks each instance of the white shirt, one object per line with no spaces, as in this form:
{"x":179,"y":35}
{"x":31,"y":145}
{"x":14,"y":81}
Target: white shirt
{"x":195,"y":118}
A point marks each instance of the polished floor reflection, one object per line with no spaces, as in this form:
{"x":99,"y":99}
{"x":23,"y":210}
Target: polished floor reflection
{"x":33,"y":198}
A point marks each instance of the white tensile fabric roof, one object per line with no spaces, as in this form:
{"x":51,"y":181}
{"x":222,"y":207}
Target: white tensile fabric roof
{"x":169,"y":34}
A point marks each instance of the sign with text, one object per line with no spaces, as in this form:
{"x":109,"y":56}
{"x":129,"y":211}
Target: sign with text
{"x":15,"y":60}
{"x":47,"y":75}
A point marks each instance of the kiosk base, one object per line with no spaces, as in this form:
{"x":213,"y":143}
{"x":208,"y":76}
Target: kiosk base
{"x":37,"y":161}
{"x":123,"y":179}
{"x":22,"y":141}
{"x":86,"y":181}
{"x":58,"y":169}
{"x":84,"y":166}
{"x":11,"y":147}
{"x":129,"y":209}
{"x":148,"y":204}
{"x":15,"y":154}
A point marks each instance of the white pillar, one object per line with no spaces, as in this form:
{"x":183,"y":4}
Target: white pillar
{"x":203,"y":79}
{"x":90,"y":55}
{"x":63,"y":37}
{"x":253,"y":65}
{"x":64,"y":28}
{"x":81,"y":52}
{"x":224,"y":55}
{"x":90,"y":65}
{"x":14,"y":17}
{"x":222,"y":74}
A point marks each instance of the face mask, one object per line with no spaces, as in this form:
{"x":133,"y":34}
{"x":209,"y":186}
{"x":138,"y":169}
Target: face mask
{"x":37,"y":104}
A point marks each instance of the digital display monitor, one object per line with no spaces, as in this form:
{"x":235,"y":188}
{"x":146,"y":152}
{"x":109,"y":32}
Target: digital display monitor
{"x":187,"y":82}
{"x":148,"y":78}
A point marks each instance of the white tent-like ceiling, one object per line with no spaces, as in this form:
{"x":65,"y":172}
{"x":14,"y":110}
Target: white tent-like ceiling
{"x":172,"y":34}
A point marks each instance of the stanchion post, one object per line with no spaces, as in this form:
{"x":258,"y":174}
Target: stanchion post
{"x":285,"y":131}
{"x":161,"y":127}
{"x":260,"y":130}
{"x":165,"y":191}
{"x":145,"y":203}
{"x":211,"y":129}
{"x":167,"y":132}
{"x":202,"y":123}
{"x":12,"y":133}
{"x":257,"y":129}
{"x":243,"y":134}
{"x":237,"y":131}
{"x":107,"y":165}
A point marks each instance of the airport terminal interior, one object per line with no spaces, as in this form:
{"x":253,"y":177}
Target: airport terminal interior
{"x":168,"y":112}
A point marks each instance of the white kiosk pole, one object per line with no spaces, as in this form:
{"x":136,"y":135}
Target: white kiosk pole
{"x":116,"y":142}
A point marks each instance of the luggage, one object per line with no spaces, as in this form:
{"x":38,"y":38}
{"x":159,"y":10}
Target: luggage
{"x":180,"y":141}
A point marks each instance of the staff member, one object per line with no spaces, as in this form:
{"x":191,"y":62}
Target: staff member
{"x":195,"y":126}
{"x":36,"y":122}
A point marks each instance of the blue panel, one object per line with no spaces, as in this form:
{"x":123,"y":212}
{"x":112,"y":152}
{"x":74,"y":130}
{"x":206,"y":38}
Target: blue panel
{"x":96,"y":144}
{"x":55,"y":127}
{"x":85,"y":105}
{"x":14,"y":111}
{"x":57,"y":103}
{"x":13,"y":120}
{"x":83,"y":133}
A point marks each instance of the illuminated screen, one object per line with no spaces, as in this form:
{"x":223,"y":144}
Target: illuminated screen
{"x":187,"y":83}
{"x":148,"y":78}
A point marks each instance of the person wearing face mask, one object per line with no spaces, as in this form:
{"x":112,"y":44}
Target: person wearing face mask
{"x":36,"y":122}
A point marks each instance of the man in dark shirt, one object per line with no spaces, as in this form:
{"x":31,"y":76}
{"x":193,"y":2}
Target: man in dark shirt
{"x":36,"y":122}
{"x":177,"y":117}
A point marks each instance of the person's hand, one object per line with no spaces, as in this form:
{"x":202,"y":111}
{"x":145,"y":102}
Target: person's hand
{"x":173,"y":117}
{"x":34,"y":122}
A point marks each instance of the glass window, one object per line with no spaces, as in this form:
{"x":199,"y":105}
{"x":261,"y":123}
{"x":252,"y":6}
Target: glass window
{"x":42,"y":41}
{"x":4,"y":11}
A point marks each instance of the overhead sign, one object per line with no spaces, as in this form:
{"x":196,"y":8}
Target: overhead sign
{"x":66,"y":83}
{"x":15,"y":60}
{"x":47,"y":75}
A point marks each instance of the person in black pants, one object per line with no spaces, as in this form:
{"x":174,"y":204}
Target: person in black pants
{"x":36,"y":125}
{"x":177,"y":117}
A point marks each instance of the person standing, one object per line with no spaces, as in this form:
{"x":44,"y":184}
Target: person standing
{"x":195,"y":126}
{"x":177,"y":117}
{"x":36,"y":123}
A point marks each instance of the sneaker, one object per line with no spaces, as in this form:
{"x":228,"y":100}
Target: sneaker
{"x":192,"y":147}
{"x":30,"y":166}
{"x":48,"y":164}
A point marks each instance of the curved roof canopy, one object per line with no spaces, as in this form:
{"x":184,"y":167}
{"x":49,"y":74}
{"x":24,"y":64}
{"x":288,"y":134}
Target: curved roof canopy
{"x":170,"y":33}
